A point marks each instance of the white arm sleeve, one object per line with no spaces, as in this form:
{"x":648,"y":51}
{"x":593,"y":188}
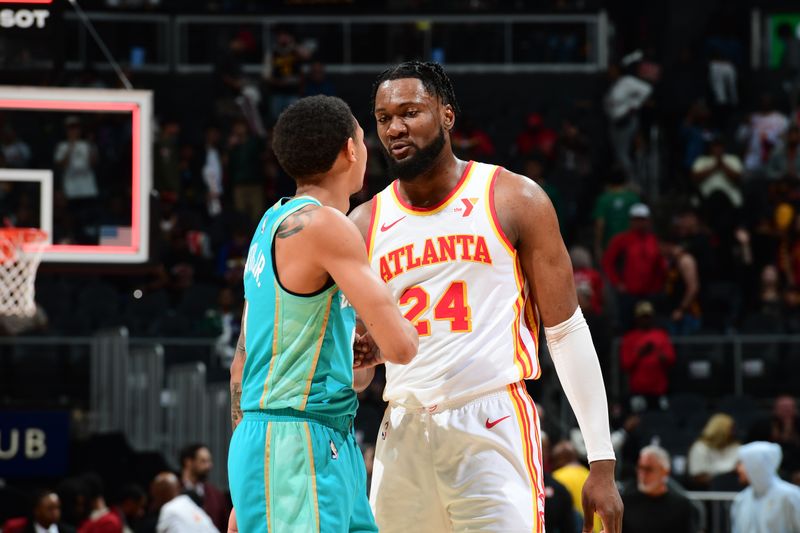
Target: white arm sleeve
{"x":578,"y":369}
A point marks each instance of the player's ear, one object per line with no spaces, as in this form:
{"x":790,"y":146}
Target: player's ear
{"x":350,"y":150}
{"x":448,"y":117}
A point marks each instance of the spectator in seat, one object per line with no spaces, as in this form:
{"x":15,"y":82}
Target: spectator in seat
{"x":715,"y":452}
{"x":695,"y":133}
{"x":244,"y":169}
{"x":536,"y":138}
{"x":44,"y":517}
{"x":785,"y":159}
{"x":587,"y":276}
{"x":131,"y":506}
{"x":611,"y":211}
{"x":769,"y":504}
{"x":653,"y":507}
{"x":283,"y":71}
{"x":166,"y":160}
{"x":633,"y":263}
{"x":196,"y":465}
{"x":782,"y":428}
{"x":568,"y":471}
{"x":212,"y":171}
{"x":647,"y":354}
{"x":682,"y":288}
{"x":470,"y":142}
{"x":625,"y":97}
{"x":722,"y":81}
{"x":101,"y":518}
{"x":16,"y":152}
{"x":717,"y":176}
{"x":559,"y":515}
{"x":762,"y":133}
{"x":180,"y":513}
{"x":76,"y":158}
{"x":317,"y":81}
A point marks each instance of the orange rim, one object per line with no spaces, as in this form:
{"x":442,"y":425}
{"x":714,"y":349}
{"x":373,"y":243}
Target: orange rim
{"x":12,"y":239}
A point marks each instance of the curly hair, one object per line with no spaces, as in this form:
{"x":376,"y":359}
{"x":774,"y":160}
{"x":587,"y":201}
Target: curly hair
{"x":310,"y":133}
{"x":431,"y":75}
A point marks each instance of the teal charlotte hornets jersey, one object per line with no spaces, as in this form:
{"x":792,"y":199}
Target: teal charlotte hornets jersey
{"x":299,"y":348}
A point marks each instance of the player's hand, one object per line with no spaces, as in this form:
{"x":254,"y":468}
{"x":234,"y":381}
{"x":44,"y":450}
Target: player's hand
{"x":232,"y":526}
{"x":365,"y":352}
{"x":600,"y":495}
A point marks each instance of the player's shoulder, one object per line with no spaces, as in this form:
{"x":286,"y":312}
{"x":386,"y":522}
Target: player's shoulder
{"x":312,"y":221}
{"x":512,"y":190}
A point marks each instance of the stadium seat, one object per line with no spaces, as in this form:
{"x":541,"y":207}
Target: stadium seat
{"x":685,"y":404}
{"x":98,"y":305}
{"x":142,"y":312}
{"x":790,"y":370}
{"x":743,"y":409}
{"x":197,"y":300}
{"x":700,"y":369}
{"x":658,"y":424}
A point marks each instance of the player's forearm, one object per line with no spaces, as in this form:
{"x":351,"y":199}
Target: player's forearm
{"x":578,"y":369}
{"x":362,"y":377}
{"x":402,"y":349}
{"x":236,"y":403}
{"x":237,"y":369}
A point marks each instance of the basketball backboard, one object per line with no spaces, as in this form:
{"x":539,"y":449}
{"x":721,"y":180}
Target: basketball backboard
{"x":77,"y":164}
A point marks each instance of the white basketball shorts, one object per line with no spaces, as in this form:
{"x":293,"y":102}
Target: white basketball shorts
{"x":474,"y":466}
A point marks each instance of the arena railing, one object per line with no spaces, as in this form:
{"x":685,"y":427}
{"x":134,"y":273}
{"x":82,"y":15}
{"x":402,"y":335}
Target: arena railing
{"x":570,"y":43}
{"x":161,"y":393}
{"x":718,"y":509}
{"x":140,"y":41}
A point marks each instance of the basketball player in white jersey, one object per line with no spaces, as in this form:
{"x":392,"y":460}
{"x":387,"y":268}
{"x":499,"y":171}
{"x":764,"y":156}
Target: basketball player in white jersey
{"x":473,"y":254}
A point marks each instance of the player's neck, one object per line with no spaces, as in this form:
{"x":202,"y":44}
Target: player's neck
{"x":326,"y":195}
{"x":433,"y":186}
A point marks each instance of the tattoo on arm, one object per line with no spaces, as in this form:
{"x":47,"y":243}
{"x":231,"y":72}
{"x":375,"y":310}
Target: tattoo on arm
{"x":236,"y":386}
{"x":295,"y":222}
{"x":241,"y":351}
{"x":236,"y":404}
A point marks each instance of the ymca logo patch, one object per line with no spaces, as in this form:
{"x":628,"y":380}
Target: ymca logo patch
{"x":468,"y":206}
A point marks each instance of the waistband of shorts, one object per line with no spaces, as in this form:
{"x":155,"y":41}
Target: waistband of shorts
{"x":456,"y":402}
{"x":340,"y":423}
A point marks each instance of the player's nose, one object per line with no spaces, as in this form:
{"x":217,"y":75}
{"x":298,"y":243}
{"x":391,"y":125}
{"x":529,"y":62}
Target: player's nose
{"x":396,"y":127}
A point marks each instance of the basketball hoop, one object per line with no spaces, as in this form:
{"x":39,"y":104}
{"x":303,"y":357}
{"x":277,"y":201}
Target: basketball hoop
{"x":20,"y":254}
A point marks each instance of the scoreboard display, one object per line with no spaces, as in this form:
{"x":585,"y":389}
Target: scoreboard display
{"x":28,"y":29}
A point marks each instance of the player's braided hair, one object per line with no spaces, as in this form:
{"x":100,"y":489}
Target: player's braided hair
{"x":431,"y":74}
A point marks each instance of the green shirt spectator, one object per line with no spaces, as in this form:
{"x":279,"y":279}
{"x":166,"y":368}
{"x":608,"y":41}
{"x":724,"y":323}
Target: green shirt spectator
{"x":611,"y":211}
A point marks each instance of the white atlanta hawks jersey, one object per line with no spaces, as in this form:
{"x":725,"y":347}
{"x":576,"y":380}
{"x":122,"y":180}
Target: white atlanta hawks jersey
{"x":458,"y":279}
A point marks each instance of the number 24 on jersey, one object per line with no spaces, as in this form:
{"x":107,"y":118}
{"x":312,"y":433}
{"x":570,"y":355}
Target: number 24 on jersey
{"x":452,"y":305}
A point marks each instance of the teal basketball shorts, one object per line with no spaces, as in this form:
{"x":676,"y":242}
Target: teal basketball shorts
{"x":291,"y":471}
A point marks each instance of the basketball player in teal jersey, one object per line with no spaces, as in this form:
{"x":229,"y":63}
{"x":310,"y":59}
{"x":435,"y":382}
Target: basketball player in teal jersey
{"x":294,"y":465}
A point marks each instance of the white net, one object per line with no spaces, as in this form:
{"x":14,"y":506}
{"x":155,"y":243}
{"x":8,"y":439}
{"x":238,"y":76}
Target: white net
{"x":20,"y":254}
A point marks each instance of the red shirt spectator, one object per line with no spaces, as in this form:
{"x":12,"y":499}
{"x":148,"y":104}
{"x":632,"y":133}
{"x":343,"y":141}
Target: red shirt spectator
{"x":647,"y":354}
{"x":471,"y":142}
{"x":15,"y":525}
{"x":537,"y":138}
{"x":587,"y":278}
{"x":102,"y":521}
{"x":643,"y":266}
{"x":591,"y":278}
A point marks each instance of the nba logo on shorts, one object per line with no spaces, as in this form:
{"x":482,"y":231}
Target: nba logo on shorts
{"x":334,"y":451}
